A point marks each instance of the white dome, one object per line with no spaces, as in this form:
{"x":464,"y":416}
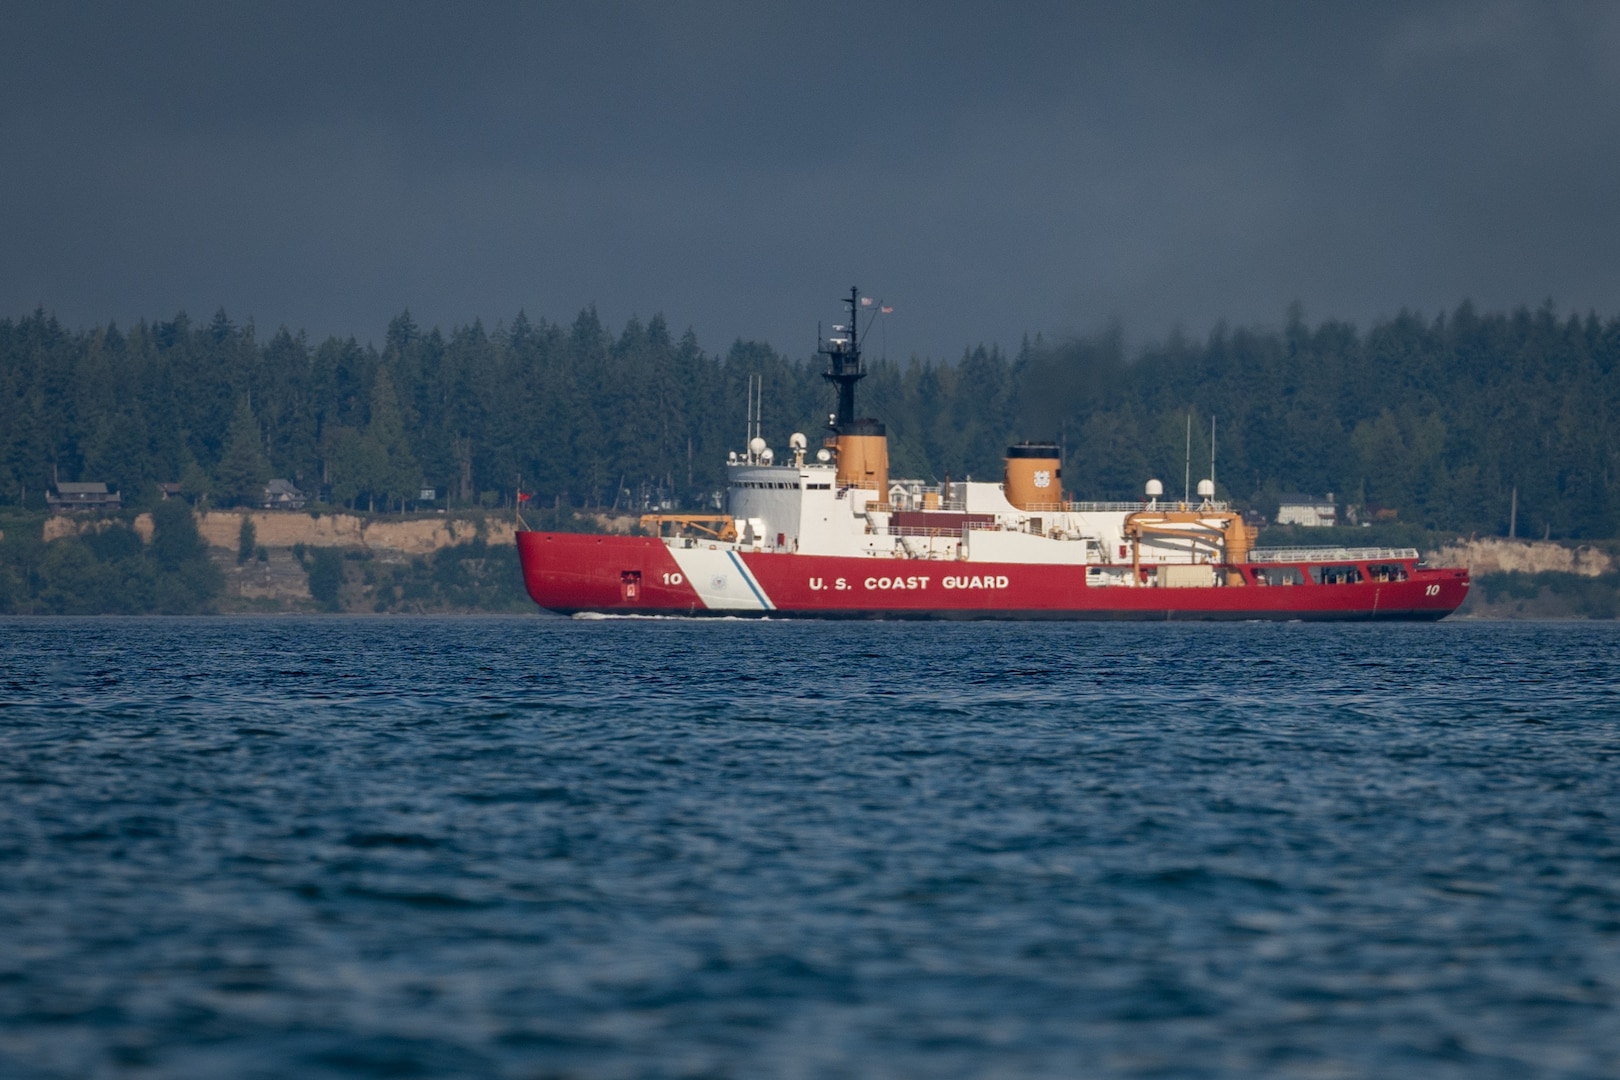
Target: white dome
{"x":1154,"y":489}
{"x":756,"y":445}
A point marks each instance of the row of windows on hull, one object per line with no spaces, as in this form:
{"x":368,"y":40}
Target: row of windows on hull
{"x":1329,"y":575}
{"x":778,"y":486}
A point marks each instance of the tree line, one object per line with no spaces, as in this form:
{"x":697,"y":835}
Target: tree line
{"x":1448,"y":421}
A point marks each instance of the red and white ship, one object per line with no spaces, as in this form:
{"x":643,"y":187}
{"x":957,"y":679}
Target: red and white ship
{"x":831,"y":535}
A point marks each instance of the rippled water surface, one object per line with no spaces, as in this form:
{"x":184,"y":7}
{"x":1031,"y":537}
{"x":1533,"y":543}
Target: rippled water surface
{"x":641,"y":848}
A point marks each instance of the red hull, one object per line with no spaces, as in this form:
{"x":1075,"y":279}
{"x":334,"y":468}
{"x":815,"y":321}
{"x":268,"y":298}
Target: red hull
{"x":569,"y":573}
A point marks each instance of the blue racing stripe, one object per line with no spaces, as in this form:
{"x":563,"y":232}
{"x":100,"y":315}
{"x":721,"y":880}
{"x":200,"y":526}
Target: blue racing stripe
{"x":749,"y":578}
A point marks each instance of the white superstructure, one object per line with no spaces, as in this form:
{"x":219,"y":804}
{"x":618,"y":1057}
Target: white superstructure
{"x":841,"y":502}
{"x":800,"y":507}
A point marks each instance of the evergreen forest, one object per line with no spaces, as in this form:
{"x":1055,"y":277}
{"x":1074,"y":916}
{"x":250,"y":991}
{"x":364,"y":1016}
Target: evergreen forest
{"x":1441,"y":422}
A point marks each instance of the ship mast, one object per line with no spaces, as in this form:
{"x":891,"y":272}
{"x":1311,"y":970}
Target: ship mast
{"x":861,"y":446}
{"x":844,"y":367}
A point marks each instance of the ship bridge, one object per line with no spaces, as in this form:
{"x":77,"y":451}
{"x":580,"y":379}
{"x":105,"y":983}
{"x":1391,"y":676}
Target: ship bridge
{"x":804,"y":505}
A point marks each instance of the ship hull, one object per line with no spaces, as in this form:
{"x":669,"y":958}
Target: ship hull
{"x":572,"y":573}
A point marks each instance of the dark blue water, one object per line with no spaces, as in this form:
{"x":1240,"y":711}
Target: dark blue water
{"x":531,"y":848}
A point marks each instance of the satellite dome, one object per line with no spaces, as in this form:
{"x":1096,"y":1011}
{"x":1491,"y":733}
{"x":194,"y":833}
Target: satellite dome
{"x":1154,"y":489}
{"x":756,"y":445}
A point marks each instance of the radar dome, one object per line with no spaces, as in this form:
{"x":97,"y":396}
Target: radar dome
{"x":756,"y":445}
{"x":1154,"y":489}
{"x":766,"y":456}
{"x":1206,"y":489}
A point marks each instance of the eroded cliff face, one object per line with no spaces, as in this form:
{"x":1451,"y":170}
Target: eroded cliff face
{"x":58,"y":527}
{"x":417,"y":536}
{"x":1500,"y":556}
{"x":281,"y":529}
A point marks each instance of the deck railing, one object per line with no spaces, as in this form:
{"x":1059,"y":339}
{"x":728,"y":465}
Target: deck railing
{"x":1121,"y":507}
{"x":1331,"y":554}
{"x":906,"y":530}
{"x":912,"y":506}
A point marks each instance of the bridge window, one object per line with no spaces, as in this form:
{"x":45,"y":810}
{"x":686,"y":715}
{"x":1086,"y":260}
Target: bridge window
{"x":1387,"y":571}
{"x":1278,"y":575}
{"x":1335,"y":575}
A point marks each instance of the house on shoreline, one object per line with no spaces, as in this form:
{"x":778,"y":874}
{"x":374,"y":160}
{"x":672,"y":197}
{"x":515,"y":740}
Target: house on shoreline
{"x":72,"y":498}
{"x":1307,"y":511}
{"x":280,"y":494}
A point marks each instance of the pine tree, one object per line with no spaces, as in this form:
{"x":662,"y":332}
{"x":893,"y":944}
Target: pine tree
{"x":243,"y":470}
{"x":175,"y":540}
{"x":394,"y":471}
{"x":246,"y":540}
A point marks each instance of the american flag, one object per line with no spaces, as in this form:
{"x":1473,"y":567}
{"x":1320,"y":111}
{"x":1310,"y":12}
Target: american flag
{"x":887,"y":310}
{"x":866,"y":301}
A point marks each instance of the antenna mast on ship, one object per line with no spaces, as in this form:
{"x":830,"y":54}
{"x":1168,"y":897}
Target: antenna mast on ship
{"x":860,"y":445}
{"x":844,"y":367}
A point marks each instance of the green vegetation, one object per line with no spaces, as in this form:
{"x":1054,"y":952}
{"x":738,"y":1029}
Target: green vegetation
{"x":1439,"y":419}
{"x":1551,"y":594}
{"x":466,"y":577}
{"x":246,"y":540}
{"x":110,"y":571}
{"x":243,"y":469}
{"x":325,"y":567}
{"x":471,"y":576}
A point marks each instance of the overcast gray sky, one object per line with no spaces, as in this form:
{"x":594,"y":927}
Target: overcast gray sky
{"x":989,"y":170}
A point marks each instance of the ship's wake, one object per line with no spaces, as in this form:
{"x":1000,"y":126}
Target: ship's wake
{"x":592,"y":616}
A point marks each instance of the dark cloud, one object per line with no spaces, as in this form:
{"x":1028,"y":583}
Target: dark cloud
{"x":1034,"y":168}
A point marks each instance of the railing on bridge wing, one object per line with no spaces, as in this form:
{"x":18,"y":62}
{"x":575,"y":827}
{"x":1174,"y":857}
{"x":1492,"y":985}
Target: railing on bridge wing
{"x":1330,"y":554}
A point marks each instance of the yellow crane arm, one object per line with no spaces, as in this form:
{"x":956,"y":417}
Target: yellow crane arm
{"x":716,"y":526}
